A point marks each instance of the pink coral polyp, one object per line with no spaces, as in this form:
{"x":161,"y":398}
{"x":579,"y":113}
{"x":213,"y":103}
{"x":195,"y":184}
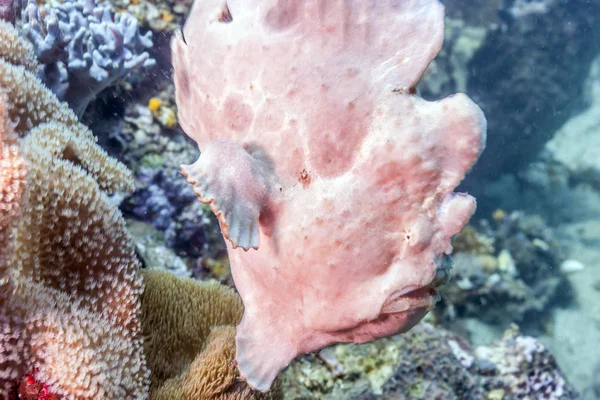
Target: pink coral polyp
{"x":331,"y":179}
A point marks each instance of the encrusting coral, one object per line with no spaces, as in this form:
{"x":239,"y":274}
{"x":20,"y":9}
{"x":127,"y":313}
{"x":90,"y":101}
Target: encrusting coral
{"x":70,"y":305}
{"x":430,"y":362}
{"x":189,"y":330}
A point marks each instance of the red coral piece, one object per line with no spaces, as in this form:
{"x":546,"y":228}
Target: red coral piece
{"x":31,"y":389}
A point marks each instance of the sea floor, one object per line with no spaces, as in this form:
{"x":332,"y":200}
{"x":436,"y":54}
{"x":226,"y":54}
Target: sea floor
{"x":575,"y":333}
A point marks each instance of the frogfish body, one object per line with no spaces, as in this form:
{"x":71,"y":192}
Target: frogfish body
{"x":331,"y":179}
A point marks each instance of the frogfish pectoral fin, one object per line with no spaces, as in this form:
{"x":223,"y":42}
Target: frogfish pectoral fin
{"x":236,"y":186}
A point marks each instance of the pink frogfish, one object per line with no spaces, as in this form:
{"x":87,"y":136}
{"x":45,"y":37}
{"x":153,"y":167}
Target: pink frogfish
{"x":331,"y":178}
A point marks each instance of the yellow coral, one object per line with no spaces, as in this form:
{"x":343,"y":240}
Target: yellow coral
{"x":498,"y":215}
{"x":167,"y":16}
{"x":177,"y":316}
{"x":189,"y":356}
{"x":154,"y":104}
{"x":168,"y":118}
{"x":472,"y":242}
{"x":213,"y":375}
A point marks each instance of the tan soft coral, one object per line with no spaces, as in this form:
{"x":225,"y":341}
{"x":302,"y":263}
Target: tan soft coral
{"x":213,"y":375}
{"x":69,"y":304}
{"x":13,"y":170}
{"x":189,"y":341}
{"x":14,"y":49}
{"x":75,"y":303}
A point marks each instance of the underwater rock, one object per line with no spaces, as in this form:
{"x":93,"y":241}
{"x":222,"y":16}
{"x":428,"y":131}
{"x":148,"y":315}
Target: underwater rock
{"x":528,"y":76}
{"x":427,"y":363}
{"x":593,"y":391}
{"x":507,"y":270}
{"x":331,"y":180}
{"x":577,"y":142}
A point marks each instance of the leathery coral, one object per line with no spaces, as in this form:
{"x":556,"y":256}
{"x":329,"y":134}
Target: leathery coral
{"x":69,"y":292}
{"x":189,"y":333}
{"x":331,"y":179}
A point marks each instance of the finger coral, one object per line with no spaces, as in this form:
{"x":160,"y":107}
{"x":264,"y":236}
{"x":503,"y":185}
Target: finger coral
{"x":84,"y":47}
{"x":331,"y":179}
{"x":188,"y":329}
{"x":69,"y":304}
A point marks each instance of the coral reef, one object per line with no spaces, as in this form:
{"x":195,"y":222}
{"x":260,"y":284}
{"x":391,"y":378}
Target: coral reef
{"x":178,"y":315}
{"x":14,"y":50}
{"x":13,"y":170}
{"x":448,"y":72}
{"x":83,"y":47}
{"x":505,"y":271}
{"x":138,"y":133}
{"x":430,"y":363}
{"x":162,"y":198}
{"x":153,"y":251}
{"x":160,"y":15}
{"x":213,"y":375}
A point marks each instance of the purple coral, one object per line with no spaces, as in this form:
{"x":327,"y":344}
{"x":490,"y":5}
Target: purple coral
{"x":7,"y":11}
{"x":84,"y":48}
